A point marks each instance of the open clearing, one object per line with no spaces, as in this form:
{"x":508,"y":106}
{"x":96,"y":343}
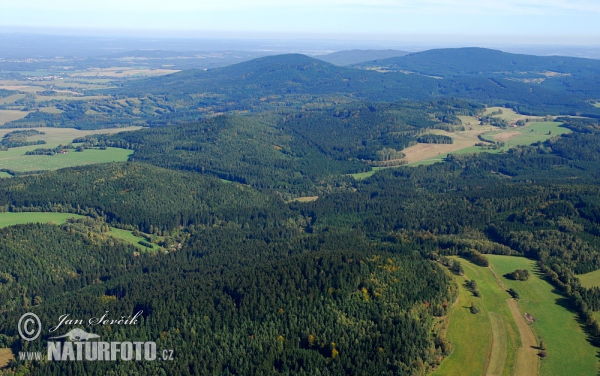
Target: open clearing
{"x":569,"y":352}
{"x":6,"y":356}
{"x":15,"y":159}
{"x":597,"y":104}
{"x":590,"y":279}
{"x":11,"y":219}
{"x":469,"y":335}
{"x":464,"y":141}
{"x":10,"y":115}
{"x":305,"y":199}
{"x":500,"y":327}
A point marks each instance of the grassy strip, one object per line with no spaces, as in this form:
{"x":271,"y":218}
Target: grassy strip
{"x":10,"y":219}
{"x":590,"y":279}
{"x":469,"y":334}
{"x":569,"y":352}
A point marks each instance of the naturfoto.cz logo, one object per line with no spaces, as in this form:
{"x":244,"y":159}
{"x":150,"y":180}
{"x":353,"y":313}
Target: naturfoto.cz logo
{"x":78,"y":345}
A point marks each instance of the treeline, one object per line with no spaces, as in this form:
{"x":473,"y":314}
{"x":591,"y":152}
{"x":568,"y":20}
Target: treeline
{"x":18,"y":138}
{"x":145,"y":197}
{"x":435,"y":139}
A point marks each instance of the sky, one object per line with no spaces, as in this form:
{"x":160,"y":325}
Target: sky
{"x":509,"y":21}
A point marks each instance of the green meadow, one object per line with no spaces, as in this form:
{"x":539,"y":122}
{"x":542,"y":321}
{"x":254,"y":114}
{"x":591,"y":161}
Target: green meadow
{"x":487,"y":340}
{"x":590,"y":279}
{"x":10,"y":219}
{"x":16,"y":160}
{"x":569,"y":352}
{"x":128,"y":236}
{"x":530,"y":133}
{"x":490,"y":342}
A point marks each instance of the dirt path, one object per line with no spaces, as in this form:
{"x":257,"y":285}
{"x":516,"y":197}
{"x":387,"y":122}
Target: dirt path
{"x":527,"y":358}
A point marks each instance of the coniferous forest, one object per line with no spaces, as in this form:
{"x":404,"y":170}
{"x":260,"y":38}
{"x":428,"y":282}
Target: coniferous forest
{"x":242,"y":278}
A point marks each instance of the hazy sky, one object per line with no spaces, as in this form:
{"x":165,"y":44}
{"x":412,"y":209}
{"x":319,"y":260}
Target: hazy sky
{"x":550,"y":21}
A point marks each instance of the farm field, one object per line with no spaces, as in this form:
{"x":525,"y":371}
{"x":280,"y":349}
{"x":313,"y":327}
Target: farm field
{"x":11,"y":98}
{"x":10,"y":115}
{"x":25,"y":163}
{"x":10,"y":219}
{"x":569,"y":352}
{"x":16,"y":160}
{"x":464,"y":141}
{"x":5,"y":175}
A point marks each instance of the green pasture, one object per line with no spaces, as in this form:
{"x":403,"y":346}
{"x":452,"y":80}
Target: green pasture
{"x":569,"y":352}
{"x":16,"y":160}
{"x":10,"y":219}
{"x":471,"y":334}
{"x":590,"y":279}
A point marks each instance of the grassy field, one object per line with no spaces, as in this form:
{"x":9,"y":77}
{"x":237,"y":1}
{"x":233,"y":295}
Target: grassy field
{"x":590,"y":279}
{"x":10,"y":115}
{"x":6,"y":356}
{"x":485,"y":341}
{"x":464,"y":141}
{"x":11,"y":98}
{"x":26,"y":163}
{"x":500,"y":327}
{"x":10,"y":219}
{"x":569,"y":353}
{"x":5,"y":175}
{"x":15,"y":158}
{"x":466,"y":332}
{"x":130,"y":238}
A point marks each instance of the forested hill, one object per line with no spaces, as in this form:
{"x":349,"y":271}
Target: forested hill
{"x":287,"y":74}
{"x":460,"y":62}
{"x":285,"y":80}
{"x":358,"y":56}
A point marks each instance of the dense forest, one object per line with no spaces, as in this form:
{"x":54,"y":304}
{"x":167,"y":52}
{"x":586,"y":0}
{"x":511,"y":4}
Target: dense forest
{"x":288,"y":83}
{"x":352,"y":281}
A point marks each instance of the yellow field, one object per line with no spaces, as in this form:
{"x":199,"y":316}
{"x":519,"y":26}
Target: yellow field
{"x":6,"y":356}
{"x":462,"y":140}
{"x":10,"y":115}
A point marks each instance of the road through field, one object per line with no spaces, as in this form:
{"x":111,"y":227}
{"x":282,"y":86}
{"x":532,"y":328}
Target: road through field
{"x":527,"y":358}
